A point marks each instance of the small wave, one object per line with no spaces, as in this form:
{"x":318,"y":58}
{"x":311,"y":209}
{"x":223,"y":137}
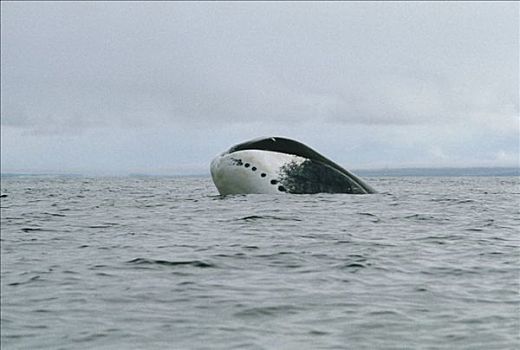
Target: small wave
{"x":318,"y":333}
{"x":447,"y":270}
{"x":268,"y":217}
{"x":372,"y":217}
{"x":419,"y":217}
{"x":452,"y":200}
{"x":104,"y":225}
{"x":55,"y":214}
{"x":353,"y":266}
{"x":268,"y":311}
{"x":32,"y":279}
{"x":273,"y":255}
{"x":194,"y":263}
{"x":31,"y":229}
{"x":384,"y":313}
{"x":366,"y":214}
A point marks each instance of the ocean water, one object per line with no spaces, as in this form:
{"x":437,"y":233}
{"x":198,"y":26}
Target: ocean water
{"x":164,"y":262}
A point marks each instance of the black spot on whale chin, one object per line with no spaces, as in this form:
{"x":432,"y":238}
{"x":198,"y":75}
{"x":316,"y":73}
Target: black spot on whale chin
{"x":237,"y":161}
{"x":274,"y":182}
{"x":263,"y":174}
{"x":247,"y":165}
{"x":253,"y":168}
{"x":281,"y":189}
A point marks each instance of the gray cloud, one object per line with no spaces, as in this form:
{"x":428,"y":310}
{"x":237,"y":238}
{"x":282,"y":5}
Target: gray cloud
{"x":361,"y":63}
{"x":70,"y":68}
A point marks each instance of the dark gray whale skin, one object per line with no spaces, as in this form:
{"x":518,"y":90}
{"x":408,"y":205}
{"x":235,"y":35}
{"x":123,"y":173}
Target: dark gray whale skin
{"x":317,"y":174}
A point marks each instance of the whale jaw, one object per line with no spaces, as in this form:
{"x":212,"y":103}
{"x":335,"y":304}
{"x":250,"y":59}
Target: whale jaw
{"x":249,"y":171}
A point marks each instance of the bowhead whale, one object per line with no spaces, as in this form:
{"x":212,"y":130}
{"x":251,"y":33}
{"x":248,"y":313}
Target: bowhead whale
{"x":278,"y":165}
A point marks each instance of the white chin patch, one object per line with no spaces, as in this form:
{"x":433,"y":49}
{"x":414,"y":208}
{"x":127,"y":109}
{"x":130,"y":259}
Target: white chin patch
{"x":251,"y":171}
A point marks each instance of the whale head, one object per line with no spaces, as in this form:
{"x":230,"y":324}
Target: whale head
{"x":280,"y":165}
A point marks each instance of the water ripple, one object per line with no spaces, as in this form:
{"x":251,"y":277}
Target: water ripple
{"x":147,"y":262}
{"x":190,"y":263}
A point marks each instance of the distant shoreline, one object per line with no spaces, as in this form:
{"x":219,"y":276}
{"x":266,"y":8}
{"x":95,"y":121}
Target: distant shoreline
{"x":386,"y":172}
{"x":470,"y":171}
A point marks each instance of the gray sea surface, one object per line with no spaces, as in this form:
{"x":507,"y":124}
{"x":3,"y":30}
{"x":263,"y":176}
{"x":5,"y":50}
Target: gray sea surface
{"x":164,"y":262}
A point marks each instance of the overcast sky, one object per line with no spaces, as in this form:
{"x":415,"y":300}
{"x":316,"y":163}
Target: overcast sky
{"x":115,"y":88}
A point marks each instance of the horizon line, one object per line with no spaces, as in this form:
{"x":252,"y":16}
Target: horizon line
{"x":514,"y":170}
